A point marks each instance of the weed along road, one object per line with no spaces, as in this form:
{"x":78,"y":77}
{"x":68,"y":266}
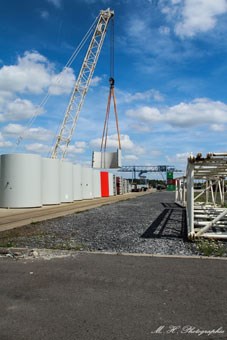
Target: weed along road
{"x":97,"y":296}
{"x":137,"y":277}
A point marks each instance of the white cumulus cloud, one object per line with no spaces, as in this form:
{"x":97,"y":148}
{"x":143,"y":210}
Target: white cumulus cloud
{"x":200,"y":111}
{"x":137,"y":28}
{"x":145,"y":113}
{"x":33,"y":74}
{"x":77,"y":148}
{"x":36,"y":133}
{"x":62,"y":82}
{"x":179,"y":159}
{"x":112,"y":143}
{"x":127,"y":97}
{"x":19,"y":109}
{"x":131,"y":158}
{"x":194,"y":16}
{"x":37,"y":148}
{"x":96,"y":81}
{"x":218,"y":127}
{"x":3,"y":142}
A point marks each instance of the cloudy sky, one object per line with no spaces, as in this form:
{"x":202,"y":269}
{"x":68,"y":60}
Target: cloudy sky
{"x":170,"y":77}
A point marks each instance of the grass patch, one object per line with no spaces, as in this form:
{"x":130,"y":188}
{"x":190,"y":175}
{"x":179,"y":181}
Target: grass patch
{"x":34,"y":222}
{"x":210,"y":247}
{"x":7,"y":244}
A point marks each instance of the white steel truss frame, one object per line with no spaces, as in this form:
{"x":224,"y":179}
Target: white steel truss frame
{"x":206,"y":209}
{"x":81,"y":86}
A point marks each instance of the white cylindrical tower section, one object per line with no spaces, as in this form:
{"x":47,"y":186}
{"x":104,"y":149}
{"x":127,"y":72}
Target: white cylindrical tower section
{"x":66,"y":181}
{"x":111,"y":184}
{"x":96,"y":184}
{"x":51,"y":181}
{"x":87,"y":183}
{"x":77,"y":182}
{"x":20,"y":185}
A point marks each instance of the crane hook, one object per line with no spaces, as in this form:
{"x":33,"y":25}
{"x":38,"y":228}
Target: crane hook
{"x":111,"y":81}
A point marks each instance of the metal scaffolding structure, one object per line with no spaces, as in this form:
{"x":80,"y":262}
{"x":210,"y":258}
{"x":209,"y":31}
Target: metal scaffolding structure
{"x":141,"y":169}
{"x":206,"y":207}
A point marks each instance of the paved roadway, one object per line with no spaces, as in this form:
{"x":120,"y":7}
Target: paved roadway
{"x":113,"y":297}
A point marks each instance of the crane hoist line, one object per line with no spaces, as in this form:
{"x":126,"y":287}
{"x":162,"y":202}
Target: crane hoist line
{"x":82,"y":85}
{"x":104,"y":159}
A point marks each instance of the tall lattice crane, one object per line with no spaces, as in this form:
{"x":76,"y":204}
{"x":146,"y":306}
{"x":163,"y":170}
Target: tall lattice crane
{"x":81,"y":86}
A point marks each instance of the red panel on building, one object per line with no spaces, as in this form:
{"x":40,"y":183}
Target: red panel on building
{"x":104,"y":175}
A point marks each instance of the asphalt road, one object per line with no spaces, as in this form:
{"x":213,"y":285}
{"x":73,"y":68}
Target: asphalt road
{"x":107,"y":297}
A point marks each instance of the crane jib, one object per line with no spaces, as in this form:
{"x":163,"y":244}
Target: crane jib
{"x":81,"y":86}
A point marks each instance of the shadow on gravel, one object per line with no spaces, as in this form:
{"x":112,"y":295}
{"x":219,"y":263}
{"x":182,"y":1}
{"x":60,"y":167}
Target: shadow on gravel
{"x":171,"y":223}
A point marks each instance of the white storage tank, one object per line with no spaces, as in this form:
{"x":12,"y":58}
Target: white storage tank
{"x":124,"y":186}
{"x":87,"y":183}
{"x":96,"y":184}
{"x":66,"y":181}
{"x":119,"y":185}
{"x":77,"y":182}
{"x":51,"y":181}
{"x":111,"y":184}
{"x":20,"y":185}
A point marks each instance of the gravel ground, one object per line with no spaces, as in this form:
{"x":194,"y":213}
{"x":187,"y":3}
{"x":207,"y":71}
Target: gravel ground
{"x":151,"y":224}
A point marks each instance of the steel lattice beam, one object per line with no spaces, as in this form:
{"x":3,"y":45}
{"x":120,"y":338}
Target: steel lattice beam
{"x":149,"y":168}
{"x":81,"y":86}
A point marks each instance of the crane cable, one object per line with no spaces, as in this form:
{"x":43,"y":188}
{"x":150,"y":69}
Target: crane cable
{"x":111,"y":95}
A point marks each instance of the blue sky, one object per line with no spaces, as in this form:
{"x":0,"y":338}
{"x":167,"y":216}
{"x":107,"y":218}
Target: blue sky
{"x":170,"y":75}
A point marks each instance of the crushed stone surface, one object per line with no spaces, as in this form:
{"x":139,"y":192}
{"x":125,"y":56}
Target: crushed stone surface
{"x":149,"y":224}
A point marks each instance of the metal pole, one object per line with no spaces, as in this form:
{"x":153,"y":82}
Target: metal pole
{"x":177,"y":190}
{"x":207,"y":191}
{"x":184,"y":191}
{"x":190,"y":199}
{"x":223,"y":192}
{"x":212,"y":192}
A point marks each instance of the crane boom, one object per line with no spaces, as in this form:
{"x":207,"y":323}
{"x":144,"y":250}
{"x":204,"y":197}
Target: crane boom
{"x":81,"y":86}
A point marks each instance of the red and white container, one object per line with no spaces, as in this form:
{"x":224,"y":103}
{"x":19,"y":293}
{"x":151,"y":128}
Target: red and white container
{"x":104,"y":177}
